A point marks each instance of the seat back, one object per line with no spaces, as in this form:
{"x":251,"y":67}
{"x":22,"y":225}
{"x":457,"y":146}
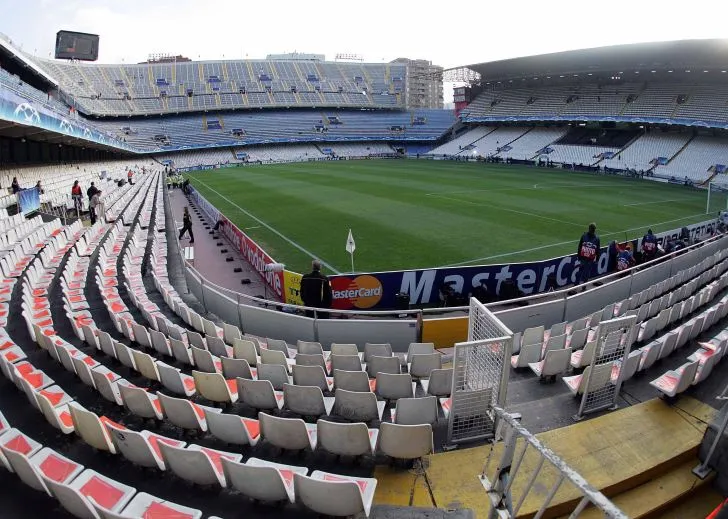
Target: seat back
{"x":351,"y":380}
{"x":146,"y":365}
{"x":380,"y":350}
{"x":596,"y":377}
{"x":356,"y":405}
{"x":231,"y":333}
{"x":668,"y":344}
{"x":440,"y":382}
{"x":71,"y":499}
{"x":337,"y":498}
{"x":556,"y":342}
{"x":277,"y":345}
{"x":245,"y":349}
{"x":196,"y":340}
{"x":304,"y":375}
{"x":257,"y":393}
{"x":311,"y":359}
{"x":344,"y":349}
{"x":304,"y":400}
{"x":261,"y":480}
{"x":189,"y":464}
{"x":630,"y":366}
{"x":171,"y":379}
{"x":422,"y":365}
{"x":212,"y":386}
{"x":216,"y":346}
{"x":89,"y":427}
{"x":392,"y":386}
{"x":556,"y":362}
{"x":377,"y":364}
{"x":179,"y":411}
{"x":345,"y":362}
{"x":134,"y":447}
{"x":414,"y":411}
{"x":203,"y":359}
{"x":276,"y":374}
{"x":159,"y":342}
{"x":687,"y":376}
{"x":273,"y":357}
{"x":234,"y":368}
{"x":284,"y":433}
{"x":137,"y":400}
{"x":533,"y":335}
{"x":309,"y":348}
{"x":343,"y":439}
{"x":227,"y":427}
{"x":405,"y":441}
{"x":180,"y":351}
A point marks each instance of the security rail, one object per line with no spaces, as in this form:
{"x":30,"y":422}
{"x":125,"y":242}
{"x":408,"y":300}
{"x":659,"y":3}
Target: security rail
{"x":499,"y":481}
{"x":704,"y":469}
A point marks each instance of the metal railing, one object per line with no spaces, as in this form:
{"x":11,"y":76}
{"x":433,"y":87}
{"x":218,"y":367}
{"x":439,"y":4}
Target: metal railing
{"x":499,"y":483}
{"x":704,"y":469}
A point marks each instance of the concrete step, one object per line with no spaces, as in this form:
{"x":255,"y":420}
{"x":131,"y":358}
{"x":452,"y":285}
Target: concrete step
{"x":661,"y":494}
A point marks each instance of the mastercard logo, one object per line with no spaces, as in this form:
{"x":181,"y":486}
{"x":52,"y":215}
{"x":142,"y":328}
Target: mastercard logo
{"x":360,"y":292}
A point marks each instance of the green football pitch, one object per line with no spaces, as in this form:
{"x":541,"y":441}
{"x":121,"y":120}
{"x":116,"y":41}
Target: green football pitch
{"x":417,"y":214}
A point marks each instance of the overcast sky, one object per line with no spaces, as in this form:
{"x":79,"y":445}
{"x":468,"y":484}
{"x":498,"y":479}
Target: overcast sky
{"x":447,"y":33}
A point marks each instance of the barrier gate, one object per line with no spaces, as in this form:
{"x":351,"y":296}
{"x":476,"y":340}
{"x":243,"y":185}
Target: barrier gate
{"x":481,"y":367}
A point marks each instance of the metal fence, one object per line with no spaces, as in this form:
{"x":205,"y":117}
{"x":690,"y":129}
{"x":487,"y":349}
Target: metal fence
{"x":480,"y":376}
{"x":604,"y":375}
{"x":509,"y":485}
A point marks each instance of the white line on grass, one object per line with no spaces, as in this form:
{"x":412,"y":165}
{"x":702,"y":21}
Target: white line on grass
{"x":541,"y":187}
{"x":514,"y":253}
{"x":535,"y":215}
{"x":660,"y":202}
{"x":253,"y":227}
{"x":270,"y":228}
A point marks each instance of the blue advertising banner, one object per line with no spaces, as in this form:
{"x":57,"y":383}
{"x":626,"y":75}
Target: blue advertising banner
{"x":29,"y":200}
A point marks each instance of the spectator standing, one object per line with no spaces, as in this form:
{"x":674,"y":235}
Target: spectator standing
{"x":587,"y":253}
{"x":15,"y":186}
{"x":77,"y":196}
{"x":91,"y":191}
{"x":187,"y":226}
{"x":129,"y":176}
{"x":39,"y":188}
{"x":96,"y":207}
{"x":316,"y":291}
{"x":625,"y":259}
{"x":649,"y":246}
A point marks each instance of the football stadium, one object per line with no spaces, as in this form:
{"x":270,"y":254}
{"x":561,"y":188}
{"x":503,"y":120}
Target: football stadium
{"x":522,"y":260}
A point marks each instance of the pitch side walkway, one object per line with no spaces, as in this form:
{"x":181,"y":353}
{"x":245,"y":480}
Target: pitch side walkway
{"x":209,"y":260}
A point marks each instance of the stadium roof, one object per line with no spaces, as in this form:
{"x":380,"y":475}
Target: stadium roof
{"x":711,"y":55}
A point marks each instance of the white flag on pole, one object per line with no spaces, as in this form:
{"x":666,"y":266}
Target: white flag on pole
{"x":350,"y":245}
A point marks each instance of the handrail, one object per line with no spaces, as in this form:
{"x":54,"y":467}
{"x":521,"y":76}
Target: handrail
{"x":704,"y":469}
{"x":500,"y":486}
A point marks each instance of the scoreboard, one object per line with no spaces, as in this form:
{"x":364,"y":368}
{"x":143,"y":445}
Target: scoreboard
{"x":77,"y":45}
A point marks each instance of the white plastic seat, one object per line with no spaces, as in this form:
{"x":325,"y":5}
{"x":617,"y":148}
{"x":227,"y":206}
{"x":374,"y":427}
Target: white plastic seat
{"x":415,"y":411}
{"x":344,"y":349}
{"x":15,"y":440}
{"x":577,"y":339}
{"x":140,"y":402}
{"x":148,"y":506}
{"x":440,"y":382}
{"x":357,"y":406}
{"x":107,"y":384}
{"x":141,"y":335}
{"x":529,"y":353}
{"x":309,"y":348}
{"x":90,"y":428}
{"x":262,"y":480}
{"x":124,"y":354}
{"x":259,"y":394}
{"x":181,"y":351}
{"x":185,"y":414}
{"x":627,"y":369}
{"x":335,"y":495}
{"x":394,"y":386}
{"x":142,"y":448}
{"x":555,"y":363}
{"x":232,"y":428}
{"x":58,"y":416}
{"x":197,"y":464}
{"x":160,"y":343}
{"x":46,"y":463}
{"x":650,"y":354}
{"x":667,"y":344}
{"x":555,"y":342}
{"x":583,"y":357}
{"x":176,"y":381}
{"x":674,"y":382}
{"x":205,"y":361}
{"x":281,"y":346}
{"x":146,"y":365}
{"x":405,"y":441}
{"x":287,"y":433}
{"x":230,"y":333}
{"x":311,"y":376}
{"x":90,"y":485}
{"x":218,"y":347}
{"x":311,"y":359}
{"x":215,"y":388}
{"x":276,"y":357}
{"x":707,"y":359}
{"x":347,"y":439}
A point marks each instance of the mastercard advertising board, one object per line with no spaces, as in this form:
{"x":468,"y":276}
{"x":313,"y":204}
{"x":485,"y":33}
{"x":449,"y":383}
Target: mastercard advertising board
{"x":356,"y":293}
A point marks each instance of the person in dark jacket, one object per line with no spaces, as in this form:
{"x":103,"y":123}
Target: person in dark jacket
{"x":316,"y":291}
{"x":587,"y":253}
{"x":92,"y":190}
{"x":187,"y":226}
{"x":15,"y":186}
{"x":649,"y":246}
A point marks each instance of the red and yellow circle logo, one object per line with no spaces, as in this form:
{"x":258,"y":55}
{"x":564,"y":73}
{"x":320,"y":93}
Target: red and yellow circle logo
{"x":360,"y":292}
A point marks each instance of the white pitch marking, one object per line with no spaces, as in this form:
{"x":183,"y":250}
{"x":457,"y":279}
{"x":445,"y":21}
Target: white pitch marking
{"x":514,"y":253}
{"x":510,"y":210}
{"x":658,"y":202}
{"x":253,"y":227}
{"x":270,"y":228}
{"x":532,"y":188}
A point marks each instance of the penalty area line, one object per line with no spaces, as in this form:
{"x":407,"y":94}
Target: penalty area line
{"x":533,"y":249}
{"x":270,"y":228}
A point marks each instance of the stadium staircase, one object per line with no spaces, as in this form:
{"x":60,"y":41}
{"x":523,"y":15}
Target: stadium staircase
{"x":681,"y":149}
{"x":707,"y":181}
{"x":626,"y":105}
{"x":477,"y":140}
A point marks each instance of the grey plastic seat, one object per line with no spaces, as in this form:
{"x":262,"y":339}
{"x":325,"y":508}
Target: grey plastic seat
{"x":311,"y":359}
{"x":335,"y":495}
{"x":377,"y":364}
{"x":306,"y":400}
{"x":380,"y":350}
{"x":287,"y":433}
{"x":196,"y":340}
{"x":419,"y":348}
{"x":176,"y":381}
{"x":357,"y":406}
{"x":440,"y":382}
{"x":160,"y":343}
{"x":275,"y":373}
{"x":279,"y":345}
{"x":218,"y":347}
{"x":345,"y":362}
{"x":204,"y":361}
{"x":347,"y":439}
{"x":415,"y":411}
{"x":259,"y":394}
{"x":344,"y":349}
{"x":394,"y":386}
{"x":405,"y":441}
{"x":245,"y":349}
{"x":234,"y":368}
{"x":351,"y":380}
{"x":422,"y":365}
{"x":180,"y":351}
{"x":309,"y":348}
{"x":311,"y":376}
{"x":262,"y":480}
{"x":233,"y":429}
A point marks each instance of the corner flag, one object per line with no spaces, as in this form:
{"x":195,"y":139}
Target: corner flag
{"x":350,"y":248}
{"x":350,"y":245}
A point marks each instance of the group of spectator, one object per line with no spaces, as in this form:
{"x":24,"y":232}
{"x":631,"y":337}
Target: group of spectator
{"x":95,"y":204}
